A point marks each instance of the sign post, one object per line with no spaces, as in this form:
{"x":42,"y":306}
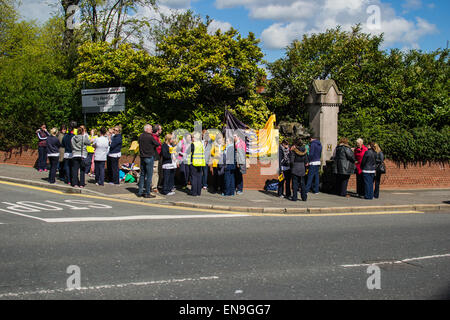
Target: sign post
{"x":103,"y":100}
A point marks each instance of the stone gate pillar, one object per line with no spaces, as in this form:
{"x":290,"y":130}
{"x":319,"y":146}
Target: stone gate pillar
{"x":323,"y":103}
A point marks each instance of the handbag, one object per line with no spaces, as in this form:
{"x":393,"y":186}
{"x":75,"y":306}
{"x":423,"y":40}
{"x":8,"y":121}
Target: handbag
{"x":381,"y":168}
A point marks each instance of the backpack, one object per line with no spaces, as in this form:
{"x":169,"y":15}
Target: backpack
{"x":271,"y":185}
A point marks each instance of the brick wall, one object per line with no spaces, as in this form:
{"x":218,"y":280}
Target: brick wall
{"x":398,"y":176}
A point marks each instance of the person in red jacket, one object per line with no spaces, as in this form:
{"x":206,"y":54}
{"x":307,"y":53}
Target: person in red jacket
{"x":359,"y":154}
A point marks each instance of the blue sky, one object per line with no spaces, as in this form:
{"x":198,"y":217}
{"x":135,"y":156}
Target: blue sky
{"x":419,"y":24}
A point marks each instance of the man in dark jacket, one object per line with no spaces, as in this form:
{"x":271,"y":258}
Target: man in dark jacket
{"x":147,"y":153}
{"x":298,"y":161}
{"x":315,"y":153}
{"x":343,"y":166}
{"x":368,"y":167}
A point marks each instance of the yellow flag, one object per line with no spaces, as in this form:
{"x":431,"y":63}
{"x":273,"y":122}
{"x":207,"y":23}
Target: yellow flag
{"x":134,"y":147}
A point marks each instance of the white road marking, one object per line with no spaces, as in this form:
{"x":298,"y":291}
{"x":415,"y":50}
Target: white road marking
{"x":142,"y":217}
{"x":106,"y":286}
{"x":396,"y":262}
{"x":21,"y":214}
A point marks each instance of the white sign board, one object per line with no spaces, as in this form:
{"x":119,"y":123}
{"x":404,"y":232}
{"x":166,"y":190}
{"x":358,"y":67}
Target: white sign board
{"x":103,"y":100}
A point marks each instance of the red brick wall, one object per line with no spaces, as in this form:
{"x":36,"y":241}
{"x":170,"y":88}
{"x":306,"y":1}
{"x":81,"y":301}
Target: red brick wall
{"x":398,"y":176}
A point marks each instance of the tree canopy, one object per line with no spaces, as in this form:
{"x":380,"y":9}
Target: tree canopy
{"x":388,"y":96}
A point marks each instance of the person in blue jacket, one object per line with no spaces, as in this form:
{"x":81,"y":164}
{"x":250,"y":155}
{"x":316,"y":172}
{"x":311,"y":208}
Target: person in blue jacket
{"x":315,"y":153}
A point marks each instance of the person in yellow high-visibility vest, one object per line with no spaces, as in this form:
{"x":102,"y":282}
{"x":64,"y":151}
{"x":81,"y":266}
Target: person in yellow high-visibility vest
{"x":197,"y":163}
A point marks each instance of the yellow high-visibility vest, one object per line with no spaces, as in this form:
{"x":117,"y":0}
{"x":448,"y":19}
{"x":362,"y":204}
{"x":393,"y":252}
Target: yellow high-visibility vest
{"x":90,"y":148}
{"x":198,"y":158}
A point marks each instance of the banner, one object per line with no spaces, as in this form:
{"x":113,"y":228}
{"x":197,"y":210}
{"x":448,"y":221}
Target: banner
{"x":260,"y":143}
{"x":264,"y":142}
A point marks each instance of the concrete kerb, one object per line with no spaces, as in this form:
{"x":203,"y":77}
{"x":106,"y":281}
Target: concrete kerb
{"x":299,"y":210}
{"x":360,"y":209}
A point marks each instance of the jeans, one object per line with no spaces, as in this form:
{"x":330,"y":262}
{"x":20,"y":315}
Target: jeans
{"x":100,"y":172}
{"x":287,"y":182}
{"x":229,"y":181}
{"x":205,"y":170}
{"x":53,"y":166}
{"x":68,"y":164}
{"x":89,"y":157}
{"x":168,"y":180}
{"x":42,"y":158}
{"x":296,"y":182}
{"x":185,"y":173}
{"x":368,"y":185}
{"x":145,"y":178}
{"x":239,"y":180}
{"x":313,"y":174}
{"x":76,"y":170}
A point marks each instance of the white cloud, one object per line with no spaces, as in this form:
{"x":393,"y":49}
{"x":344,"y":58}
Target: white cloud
{"x":294,"y":18}
{"x":287,"y":12}
{"x":216,"y":25}
{"x":175,"y":4}
{"x":280,"y":35}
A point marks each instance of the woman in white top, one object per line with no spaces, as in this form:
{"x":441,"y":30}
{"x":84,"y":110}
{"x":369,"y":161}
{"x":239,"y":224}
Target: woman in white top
{"x":101,"y":145}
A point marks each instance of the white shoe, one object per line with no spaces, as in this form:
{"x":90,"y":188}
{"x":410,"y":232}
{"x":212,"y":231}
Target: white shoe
{"x":170,"y":193}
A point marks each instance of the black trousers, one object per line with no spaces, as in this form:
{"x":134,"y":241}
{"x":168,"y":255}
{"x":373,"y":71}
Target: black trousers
{"x":360,"y":184}
{"x":77,"y":169}
{"x":217,"y":181}
{"x":377,"y":181}
{"x":196,"y":180}
{"x":53,"y":166}
{"x":287,"y":182}
{"x":341,"y":184}
{"x":113,"y":170}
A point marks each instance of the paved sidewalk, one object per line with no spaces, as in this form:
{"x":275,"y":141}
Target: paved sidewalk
{"x":250,"y":200}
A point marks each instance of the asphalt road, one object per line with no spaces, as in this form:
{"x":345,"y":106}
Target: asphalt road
{"x":130,"y":251}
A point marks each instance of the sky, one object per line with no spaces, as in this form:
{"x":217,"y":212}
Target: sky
{"x":406,"y":24}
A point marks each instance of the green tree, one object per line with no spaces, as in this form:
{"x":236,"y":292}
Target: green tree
{"x":33,"y":88}
{"x":194,"y":76}
{"x":385,"y":93}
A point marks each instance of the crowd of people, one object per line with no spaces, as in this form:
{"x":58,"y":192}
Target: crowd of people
{"x":192,"y":154}
{"x":299,"y":168}
{"x":74,"y":154}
